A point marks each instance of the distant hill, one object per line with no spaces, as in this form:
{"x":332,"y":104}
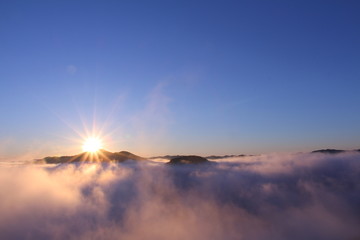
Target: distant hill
{"x":169,"y":157}
{"x":100,"y":156}
{"x":330,"y":151}
{"x":106,"y":156}
{"x":226,"y":156}
{"x":188,"y":160}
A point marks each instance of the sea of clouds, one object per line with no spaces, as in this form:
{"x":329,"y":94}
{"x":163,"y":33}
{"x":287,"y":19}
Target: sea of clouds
{"x":275,"y":196}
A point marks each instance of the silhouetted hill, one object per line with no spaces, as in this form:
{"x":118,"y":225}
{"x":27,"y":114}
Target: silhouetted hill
{"x":169,"y":157}
{"x":100,"y":156}
{"x":208,"y":157}
{"x":330,"y":151}
{"x":226,"y":156}
{"x":188,"y":160}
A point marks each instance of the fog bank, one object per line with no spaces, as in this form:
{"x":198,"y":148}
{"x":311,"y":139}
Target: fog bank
{"x":295,"y":196}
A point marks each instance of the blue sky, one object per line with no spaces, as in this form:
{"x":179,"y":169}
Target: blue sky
{"x":179,"y":77}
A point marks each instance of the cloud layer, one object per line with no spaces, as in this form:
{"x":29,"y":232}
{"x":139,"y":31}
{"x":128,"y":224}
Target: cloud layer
{"x":296,"y":196}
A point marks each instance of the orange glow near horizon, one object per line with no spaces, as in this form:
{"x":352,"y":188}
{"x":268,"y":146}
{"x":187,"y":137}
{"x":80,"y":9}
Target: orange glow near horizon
{"x":92,"y":145}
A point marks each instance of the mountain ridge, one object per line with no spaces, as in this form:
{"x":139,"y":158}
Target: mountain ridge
{"x":100,"y":156}
{"x":106,"y":156}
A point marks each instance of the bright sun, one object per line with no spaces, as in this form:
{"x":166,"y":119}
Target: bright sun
{"x":92,"y":145}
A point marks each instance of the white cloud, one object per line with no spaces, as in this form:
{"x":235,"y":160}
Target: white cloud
{"x":300,"y":196}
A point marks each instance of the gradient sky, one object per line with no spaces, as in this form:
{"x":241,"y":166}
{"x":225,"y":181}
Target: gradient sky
{"x":179,"y":77}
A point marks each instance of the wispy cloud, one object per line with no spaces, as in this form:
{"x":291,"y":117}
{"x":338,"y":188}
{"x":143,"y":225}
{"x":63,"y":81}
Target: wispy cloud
{"x":152,"y":122}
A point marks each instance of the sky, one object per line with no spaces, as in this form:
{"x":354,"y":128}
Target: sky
{"x":179,"y":77}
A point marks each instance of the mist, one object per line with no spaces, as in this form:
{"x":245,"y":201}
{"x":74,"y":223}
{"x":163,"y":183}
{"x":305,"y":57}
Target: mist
{"x":274,"y":196}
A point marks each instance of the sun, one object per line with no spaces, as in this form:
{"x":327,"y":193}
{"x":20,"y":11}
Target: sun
{"x":92,"y":145}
